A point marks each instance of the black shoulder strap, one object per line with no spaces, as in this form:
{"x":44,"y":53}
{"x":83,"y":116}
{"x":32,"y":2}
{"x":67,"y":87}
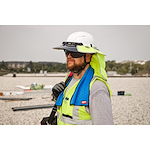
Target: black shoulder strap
{"x":54,"y":110}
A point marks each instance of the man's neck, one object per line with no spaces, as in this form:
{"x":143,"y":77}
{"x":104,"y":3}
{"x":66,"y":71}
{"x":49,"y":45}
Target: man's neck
{"x":76,"y":76}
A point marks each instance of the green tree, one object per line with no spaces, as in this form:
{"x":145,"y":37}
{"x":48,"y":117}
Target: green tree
{"x":147,"y":67}
{"x":110,"y":64}
{"x":119,"y":71}
{"x":124,"y":70}
{"x":108,"y":68}
{"x":4,"y":65}
{"x":133,"y":71}
{"x":114,"y":69}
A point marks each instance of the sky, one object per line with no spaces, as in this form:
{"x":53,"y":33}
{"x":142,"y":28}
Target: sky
{"x":29,"y":29}
{"x":35,"y":42}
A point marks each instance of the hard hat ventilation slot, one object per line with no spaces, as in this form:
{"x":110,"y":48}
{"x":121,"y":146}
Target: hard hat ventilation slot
{"x":71,"y":44}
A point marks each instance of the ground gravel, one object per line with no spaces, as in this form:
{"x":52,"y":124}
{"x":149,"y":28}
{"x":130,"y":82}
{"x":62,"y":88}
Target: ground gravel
{"x":127,"y":110}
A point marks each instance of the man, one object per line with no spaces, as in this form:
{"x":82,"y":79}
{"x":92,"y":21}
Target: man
{"x":85,"y":99}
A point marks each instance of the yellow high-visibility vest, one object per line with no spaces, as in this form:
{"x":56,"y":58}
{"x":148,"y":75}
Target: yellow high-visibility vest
{"x":77,"y":115}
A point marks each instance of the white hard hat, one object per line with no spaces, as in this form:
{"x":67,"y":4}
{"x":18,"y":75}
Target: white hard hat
{"x":81,"y":37}
{"x":75,"y":39}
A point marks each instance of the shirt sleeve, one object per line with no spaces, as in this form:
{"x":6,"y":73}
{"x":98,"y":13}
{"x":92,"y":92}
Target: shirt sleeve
{"x":100,"y":107}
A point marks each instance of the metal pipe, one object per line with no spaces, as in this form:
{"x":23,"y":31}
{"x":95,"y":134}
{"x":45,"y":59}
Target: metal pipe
{"x":8,"y":98}
{"x":32,"y":107}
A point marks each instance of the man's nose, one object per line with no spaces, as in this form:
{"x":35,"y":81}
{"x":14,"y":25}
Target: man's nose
{"x":69,"y":55}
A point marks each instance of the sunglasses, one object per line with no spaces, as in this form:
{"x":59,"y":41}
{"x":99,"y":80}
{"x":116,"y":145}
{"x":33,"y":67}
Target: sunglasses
{"x":74,"y":54}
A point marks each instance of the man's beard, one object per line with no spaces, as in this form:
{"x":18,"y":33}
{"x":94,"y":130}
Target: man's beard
{"x":75,"y":68}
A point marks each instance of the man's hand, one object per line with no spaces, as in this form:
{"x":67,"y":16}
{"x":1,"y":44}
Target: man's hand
{"x":57,"y":89}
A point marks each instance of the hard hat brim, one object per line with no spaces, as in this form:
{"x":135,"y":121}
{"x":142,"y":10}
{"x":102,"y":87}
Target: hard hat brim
{"x":80,"y":49}
{"x":72,"y":49}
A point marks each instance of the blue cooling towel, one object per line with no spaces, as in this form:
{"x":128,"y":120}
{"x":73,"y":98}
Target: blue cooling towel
{"x":81,"y":94}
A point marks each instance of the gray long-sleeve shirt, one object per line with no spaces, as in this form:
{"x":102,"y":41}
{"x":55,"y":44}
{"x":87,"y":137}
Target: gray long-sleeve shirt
{"x":100,"y":107}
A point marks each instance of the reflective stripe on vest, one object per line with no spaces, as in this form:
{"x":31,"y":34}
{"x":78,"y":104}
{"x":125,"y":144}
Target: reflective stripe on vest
{"x":75,"y":119}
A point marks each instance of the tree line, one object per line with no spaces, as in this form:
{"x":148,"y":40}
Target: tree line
{"x":49,"y":67}
{"x":124,"y":68}
{"x":35,"y":67}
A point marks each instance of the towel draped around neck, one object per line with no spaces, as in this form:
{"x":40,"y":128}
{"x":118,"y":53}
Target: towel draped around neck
{"x":81,"y":94}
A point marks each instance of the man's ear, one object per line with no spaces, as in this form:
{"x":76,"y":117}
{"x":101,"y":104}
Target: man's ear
{"x":88,"y":57}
